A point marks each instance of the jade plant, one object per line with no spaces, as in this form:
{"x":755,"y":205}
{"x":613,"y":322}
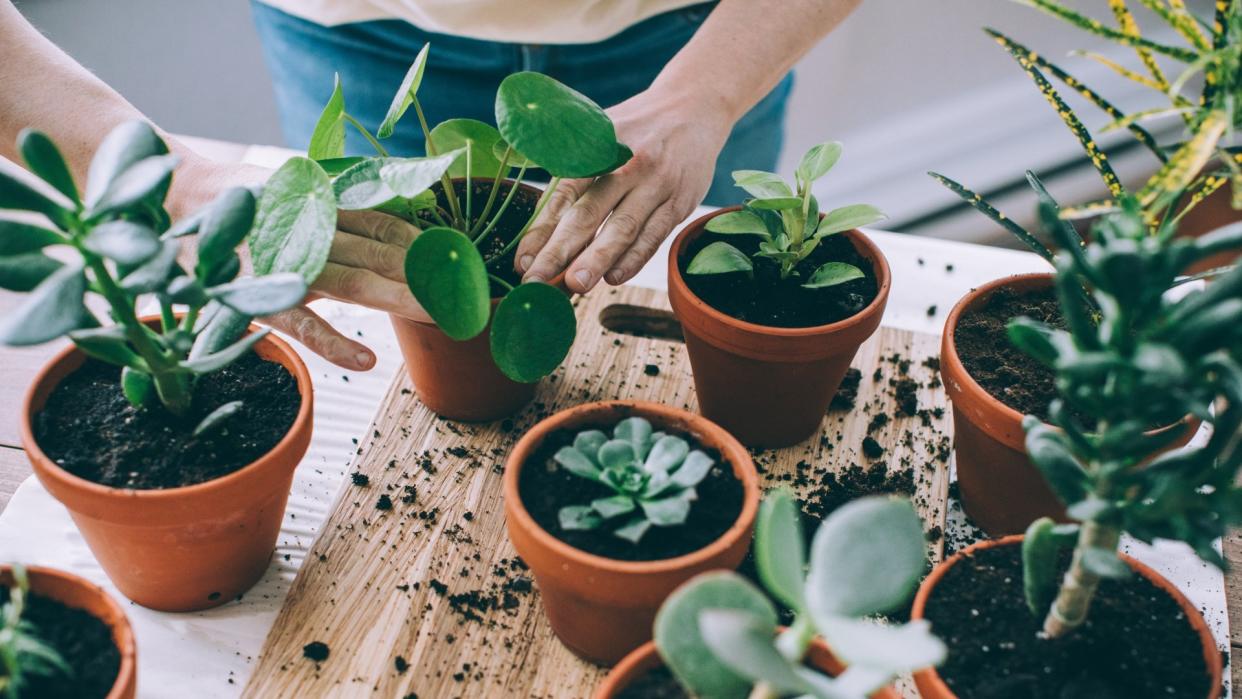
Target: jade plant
{"x":653,"y":476}
{"x":454,"y":265}
{"x":1148,"y":358}
{"x":718,"y":633}
{"x":787,"y":221}
{"x":23,"y":654}
{"x":122,"y":246}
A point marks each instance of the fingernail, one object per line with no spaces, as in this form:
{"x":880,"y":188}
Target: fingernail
{"x":583,"y":277}
{"x":533,"y":277}
{"x":364,"y":359}
{"x":614,"y":276}
{"x":524,"y":263}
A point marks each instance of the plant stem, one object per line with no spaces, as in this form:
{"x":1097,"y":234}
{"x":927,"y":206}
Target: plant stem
{"x":379,"y":148}
{"x":792,"y":644}
{"x":469,"y":192}
{"x":498,"y":280}
{"x":491,"y":196}
{"x":449,"y":195}
{"x":491,"y":225}
{"x":543,"y":201}
{"x":1069,"y":610}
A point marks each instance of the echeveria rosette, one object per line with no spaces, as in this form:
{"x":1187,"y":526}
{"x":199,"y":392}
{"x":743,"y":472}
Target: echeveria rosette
{"x":653,"y":476}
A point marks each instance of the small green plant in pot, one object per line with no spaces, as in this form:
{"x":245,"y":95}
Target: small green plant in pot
{"x":718,"y":633}
{"x":25,"y":658}
{"x":468,"y":196}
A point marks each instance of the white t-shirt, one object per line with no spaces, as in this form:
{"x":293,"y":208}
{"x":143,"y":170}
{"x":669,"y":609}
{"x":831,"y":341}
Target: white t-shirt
{"x":517,"y":21}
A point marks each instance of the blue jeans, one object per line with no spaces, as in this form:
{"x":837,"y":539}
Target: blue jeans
{"x":463,"y":74}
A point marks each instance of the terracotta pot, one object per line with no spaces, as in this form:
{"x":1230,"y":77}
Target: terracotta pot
{"x":932,"y":686}
{"x":770,"y":387}
{"x":180,"y":549}
{"x":79,"y":593}
{"x":459,"y":380}
{"x":646,"y":658}
{"x":1001,"y":490}
{"x":603,"y":608}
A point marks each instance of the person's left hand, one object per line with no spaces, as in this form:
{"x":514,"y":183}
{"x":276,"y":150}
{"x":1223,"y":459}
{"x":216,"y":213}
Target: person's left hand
{"x":675,"y":144}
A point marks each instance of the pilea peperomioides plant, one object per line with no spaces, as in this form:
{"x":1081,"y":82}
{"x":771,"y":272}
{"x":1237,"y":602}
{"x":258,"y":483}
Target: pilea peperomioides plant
{"x":124,"y":248}
{"x":1147,"y":359}
{"x":23,"y":655}
{"x":788,"y":222}
{"x":718,"y":632}
{"x":454,"y":265}
{"x":654,"y":476}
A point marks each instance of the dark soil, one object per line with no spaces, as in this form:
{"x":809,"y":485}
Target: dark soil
{"x":1135,"y":643}
{"x":658,"y":683}
{"x":545,"y":488}
{"x":766,"y":299}
{"x":89,"y":428}
{"x":83,"y":641}
{"x":511,"y":222}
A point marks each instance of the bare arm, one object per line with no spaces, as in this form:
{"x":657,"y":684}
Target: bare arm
{"x":677,"y":128}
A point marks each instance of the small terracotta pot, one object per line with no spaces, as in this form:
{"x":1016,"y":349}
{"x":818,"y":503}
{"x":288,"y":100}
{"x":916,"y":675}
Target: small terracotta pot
{"x":646,"y":658}
{"x":603,"y":608}
{"x":79,"y":593}
{"x":1001,"y":490}
{"x":180,"y":549}
{"x":770,"y":387}
{"x":459,"y":380}
{"x":932,"y":686}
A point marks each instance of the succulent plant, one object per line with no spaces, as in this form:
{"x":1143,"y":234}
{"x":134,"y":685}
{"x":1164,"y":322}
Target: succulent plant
{"x":22,"y":653}
{"x":652,"y":474}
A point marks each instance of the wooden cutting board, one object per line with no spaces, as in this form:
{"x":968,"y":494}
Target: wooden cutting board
{"x":412,"y":583}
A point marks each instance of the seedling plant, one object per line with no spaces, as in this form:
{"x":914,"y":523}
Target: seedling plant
{"x":23,"y":654}
{"x":652,"y":474}
{"x":787,"y":221}
{"x":718,"y":632}
{"x":452,"y":267}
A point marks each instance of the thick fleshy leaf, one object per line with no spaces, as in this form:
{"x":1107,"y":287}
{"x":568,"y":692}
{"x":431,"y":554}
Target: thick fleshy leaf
{"x":577,"y":463}
{"x":669,"y":511}
{"x":617,"y":453}
{"x":479,"y":141}
{"x":762,"y":185}
{"x":155,"y":272}
{"x":261,"y":296}
{"x":19,"y":237}
{"x":866,"y":558}
{"x":680,"y":641}
{"x":743,"y":221}
{"x":779,"y":549}
{"x":589,"y":442}
{"x":410,"y":177}
{"x":832,"y":274}
{"x":224,"y":225}
{"x":405,"y":93}
{"x":532,"y":332}
{"x":217,"y":418}
{"x":446,"y":274}
{"x":719,"y":258}
{"x":108,"y":344}
{"x":218,"y":360}
{"x":223,"y":328}
{"x":818,"y":161}
{"x":26,"y":271}
{"x":44,"y":159}
{"x":124,"y":242}
{"x":1039,"y":565}
{"x":693,"y":470}
{"x":555,"y":126}
{"x":124,"y":146}
{"x":23,"y":191}
{"x":848,"y":218}
{"x":893,"y":649}
{"x":138,"y":387}
{"x":296,"y":221}
{"x":328,"y":138}
{"x":666,"y":453}
{"x":614,"y":506}
{"x":577,"y":517}
{"x":744,"y":642}
{"x":144,"y":182}
{"x":633,"y":532}
{"x":53,"y":309}
{"x":637,"y":431}
{"x":1055,"y":460}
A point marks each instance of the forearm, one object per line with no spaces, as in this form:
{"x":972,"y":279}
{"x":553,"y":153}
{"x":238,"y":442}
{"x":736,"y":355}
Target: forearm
{"x":744,"y":48}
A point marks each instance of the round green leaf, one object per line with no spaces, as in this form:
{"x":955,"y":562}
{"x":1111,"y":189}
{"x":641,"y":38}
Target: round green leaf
{"x":555,"y":126}
{"x":818,"y":161}
{"x":328,"y":139}
{"x":125,"y":242}
{"x":225,"y":225}
{"x":361,"y":186}
{"x":833,"y":273}
{"x":25,"y":271}
{"x":138,"y":387}
{"x":124,"y":146}
{"x":261,"y":296}
{"x":410,"y":177}
{"x":743,"y":221}
{"x":296,"y":221}
{"x":718,"y":258}
{"x":516,"y":159}
{"x":405,"y":94}
{"x":53,"y":309}
{"x":446,"y":274}
{"x":479,"y":140}
{"x":23,"y":191}
{"x":532,"y":332}
{"x":44,"y":159}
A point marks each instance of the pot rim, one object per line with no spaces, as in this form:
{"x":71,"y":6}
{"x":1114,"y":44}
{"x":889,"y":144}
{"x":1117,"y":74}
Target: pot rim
{"x":122,"y":632}
{"x":1211,"y":655}
{"x":879,"y":265}
{"x":292,"y":363}
{"x":731,"y":450}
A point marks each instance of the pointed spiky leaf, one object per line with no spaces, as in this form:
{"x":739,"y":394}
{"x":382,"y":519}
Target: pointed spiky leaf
{"x":976,"y":200}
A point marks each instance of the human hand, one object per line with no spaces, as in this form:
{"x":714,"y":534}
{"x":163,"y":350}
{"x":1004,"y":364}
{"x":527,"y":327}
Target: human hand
{"x":675,"y":143}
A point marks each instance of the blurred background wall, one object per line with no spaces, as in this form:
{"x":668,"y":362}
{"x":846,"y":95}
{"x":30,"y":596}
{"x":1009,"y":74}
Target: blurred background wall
{"x":907,"y":85}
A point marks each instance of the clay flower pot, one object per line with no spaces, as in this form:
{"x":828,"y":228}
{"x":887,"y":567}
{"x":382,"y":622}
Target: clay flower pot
{"x":79,"y":593}
{"x":768,"y":386}
{"x":1001,"y":490}
{"x":460,"y":380}
{"x":646,"y":658}
{"x":179,"y":549}
{"x":603,"y":608}
{"x":932,"y":686}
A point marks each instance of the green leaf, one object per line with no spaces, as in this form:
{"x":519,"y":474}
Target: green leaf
{"x":762,"y":185}
{"x":680,"y":641}
{"x":261,"y":296}
{"x":296,"y":221}
{"x":579,"y":517}
{"x":745,"y":642}
{"x":719,"y":258}
{"x":979,"y":204}
{"x":223,"y":327}
{"x":866,"y":558}
{"x":215,"y":419}
{"x":479,"y":141}
{"x":146,"y":181}
{"x":516,"y":159}
{"x":693,"y":470}
{"x":670,"y":511}
{"x":832,"y":274}
{"x":892,"y":649}
{"x":224,"y":225}
{"x":218,"y":360}
{"x":1037,"y":339}
{"x":1104,"y":563}
{"x":155,"y":272}
{"x":335,"y":166}
{"x":44,"y":159}
{"x":1055,"y":461}
{"x":743,"y":221}
{"x":577,"y":462}
{"x":124,"y":242}
{"x":18,"y":237}
{"x":633,"y":532}
{"x":775,"y":203}
{"x":409,"y":177}
{"x":614,"y":506}
{"x":53,"y":309}
{"x":445,"y":272}
{"x":124,"y":146}
{"x":138,"y":387}
{"x":818,"y":161}
{"x":667,"y":452}
{"x":23,"y":191}
{"x":555,"y":126}
{"x":1039,"y":566}
{"x":636,"y":431}
{"x":848,"y":218}
{"x":532,"y":332}
{"x":361,"y":186}
{"x":26,"y":271}
{"x":328,"y":139}
{"x":405,"y":94}
{"x":1099,"y":29}
{"x":589,"y":442}
{"x":107,"y":344}
{"x":779,"y":549}
{"x":617,"y":453}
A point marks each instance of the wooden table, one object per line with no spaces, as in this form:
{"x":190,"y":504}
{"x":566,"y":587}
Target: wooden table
{"x":18,"y":366}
